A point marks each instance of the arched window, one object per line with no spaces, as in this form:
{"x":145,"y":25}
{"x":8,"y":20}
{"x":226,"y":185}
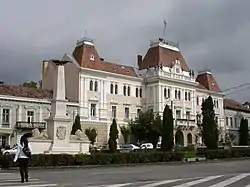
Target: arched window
{"x":111,"y":88}
{"x":116,"y":89}
{"x":165,"y":92}
{"x":91,"y":85}
{"x":128,"y":90}
{"x":140,"y":93}
{"x":124,"y":90}
{"x":96,"y":86}
{"x":136,"y":92}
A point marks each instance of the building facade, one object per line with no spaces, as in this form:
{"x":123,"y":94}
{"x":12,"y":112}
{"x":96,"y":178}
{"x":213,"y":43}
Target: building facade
{"x":23,"y":109}
{"x":234,"y":112}
{"x":106,"y":90}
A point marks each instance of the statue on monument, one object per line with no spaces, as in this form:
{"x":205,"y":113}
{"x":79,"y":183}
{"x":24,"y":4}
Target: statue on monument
{"x":36,"y":134}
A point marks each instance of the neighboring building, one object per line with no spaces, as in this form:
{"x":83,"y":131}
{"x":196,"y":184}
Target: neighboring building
{"x":234,"y":112}
{"x":23,"y":109}
{"x":106,"y":90}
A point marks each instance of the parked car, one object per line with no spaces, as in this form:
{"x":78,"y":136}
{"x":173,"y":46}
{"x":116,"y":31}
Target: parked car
{"x":158,"y":145}
{"x":129,"y":147}
{"x":147,"y":146}
{"x":10,"y":151}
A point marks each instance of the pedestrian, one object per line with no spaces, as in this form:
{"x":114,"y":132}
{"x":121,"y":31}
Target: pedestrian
{"x":23,"y":155}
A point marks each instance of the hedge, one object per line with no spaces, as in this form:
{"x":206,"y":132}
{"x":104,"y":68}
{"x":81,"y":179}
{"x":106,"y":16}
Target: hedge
{"x":52,"y":160}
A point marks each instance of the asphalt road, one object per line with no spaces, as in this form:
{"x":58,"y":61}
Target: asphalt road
{"x":220,"y":174}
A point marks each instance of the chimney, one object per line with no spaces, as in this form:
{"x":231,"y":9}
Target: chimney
{"x":139,"y":60}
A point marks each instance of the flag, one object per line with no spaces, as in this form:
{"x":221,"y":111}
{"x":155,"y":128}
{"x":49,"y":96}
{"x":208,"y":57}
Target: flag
{"x":165,"y":23}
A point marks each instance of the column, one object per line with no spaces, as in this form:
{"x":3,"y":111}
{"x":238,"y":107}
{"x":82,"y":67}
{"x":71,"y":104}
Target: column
{"x":160,"y":98}
{"x":102,"y":93}
{"x":1,"y":110}
{"x":155,"y":98}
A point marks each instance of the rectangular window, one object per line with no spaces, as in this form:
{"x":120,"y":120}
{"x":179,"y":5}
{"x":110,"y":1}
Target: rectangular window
{"x":197,"y":101}
{"x":93,"y":109}
{"x":227,"y":121}
{"x":188,"y":115}
{"x":178,"y":114}
{"x":30,"y":116}
{"x":126,"y":113}
{"x":6,"y":116}
{"x":235,"y":122}
{"x":138,"y":111}
{"x":231,"y":121}
{"x":216,"y":119}
{"x":113,"y":112}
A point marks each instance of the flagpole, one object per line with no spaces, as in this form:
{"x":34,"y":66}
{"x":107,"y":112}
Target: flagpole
{"x":165,"y":29}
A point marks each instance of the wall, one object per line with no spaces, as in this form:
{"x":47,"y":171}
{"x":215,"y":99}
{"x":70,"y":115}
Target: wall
{"x":18,"y":112}
{"x":232,"y":121}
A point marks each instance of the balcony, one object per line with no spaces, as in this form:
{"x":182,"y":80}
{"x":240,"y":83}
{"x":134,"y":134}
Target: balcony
{"x":185,"y":124}
{"x":30,"y":125}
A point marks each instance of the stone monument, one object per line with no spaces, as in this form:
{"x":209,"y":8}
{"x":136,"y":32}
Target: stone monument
{"x":58,"y":124}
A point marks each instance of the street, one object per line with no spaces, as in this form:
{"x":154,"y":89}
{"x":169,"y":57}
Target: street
{"x":219,"y":174}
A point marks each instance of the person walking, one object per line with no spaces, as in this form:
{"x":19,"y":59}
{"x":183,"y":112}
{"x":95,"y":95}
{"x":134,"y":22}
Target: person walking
{"x":23,"y":155}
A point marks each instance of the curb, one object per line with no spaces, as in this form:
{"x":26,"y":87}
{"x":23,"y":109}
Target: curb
{"x":132,"y":165}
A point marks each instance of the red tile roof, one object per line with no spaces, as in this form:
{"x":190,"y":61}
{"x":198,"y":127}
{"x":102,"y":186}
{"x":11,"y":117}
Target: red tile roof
{"x":83,"y":52}
{"x":207,"y":81}
{"x":234,"y":105}
{"x":23,"y":91}
{"x":157,"y":56}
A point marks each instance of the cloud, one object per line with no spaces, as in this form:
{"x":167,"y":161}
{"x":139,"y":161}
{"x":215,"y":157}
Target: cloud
{"x":212,"y":34}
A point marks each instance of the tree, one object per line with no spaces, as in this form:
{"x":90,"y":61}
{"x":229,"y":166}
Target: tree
{"x":167,"y":129}
{"x":210,"y":131}
{"x":147,"y":127}
{"x":31,"y":84}
{"x":76,"y":125}
{"x":243,"y":132}
{"x":113,"y":136}
{"x":91,"y":133}
{"x":125,"y":131}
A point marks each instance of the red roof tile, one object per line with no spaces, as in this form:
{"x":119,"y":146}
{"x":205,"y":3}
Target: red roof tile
{"x":157,"y":56}
{"x":83,"y":52}
{"x":23,"y":91}
{"x":234,"y":105}
{"x":207,"y":80}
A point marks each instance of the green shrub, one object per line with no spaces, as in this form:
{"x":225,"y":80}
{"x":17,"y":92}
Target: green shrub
{"x":142,"y":156}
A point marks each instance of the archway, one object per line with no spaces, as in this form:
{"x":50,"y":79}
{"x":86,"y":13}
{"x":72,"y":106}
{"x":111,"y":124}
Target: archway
{"x":179,"y":138}
{"x":189,"y":138}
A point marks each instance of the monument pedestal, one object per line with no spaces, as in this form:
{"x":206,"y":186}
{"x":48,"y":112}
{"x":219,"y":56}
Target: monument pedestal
{"x":59,"y":132}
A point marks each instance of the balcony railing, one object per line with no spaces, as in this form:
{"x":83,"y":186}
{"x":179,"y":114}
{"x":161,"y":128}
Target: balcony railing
{"x":30,"y":125}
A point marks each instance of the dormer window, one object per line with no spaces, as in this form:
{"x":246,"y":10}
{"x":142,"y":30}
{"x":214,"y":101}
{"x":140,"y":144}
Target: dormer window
{"x":92,"y":57}
{"x":177,"y":70}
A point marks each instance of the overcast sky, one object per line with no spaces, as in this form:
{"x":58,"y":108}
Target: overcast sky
{"x":212,"y":34}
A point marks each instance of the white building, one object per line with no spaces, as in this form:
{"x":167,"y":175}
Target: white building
{"x":23,"y":109}
{"x":234,"y":112}
{"x":106,"y":90}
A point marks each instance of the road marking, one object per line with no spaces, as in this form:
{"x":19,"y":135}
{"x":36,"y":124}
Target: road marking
{"x":17,"y":180}
{"x":231,"y":180}
{"x":15,"y":183}
{"x":199,"y":181}
{"x":36,"y":185}
{"x":119,"y":185}
{"x":161,"y":183}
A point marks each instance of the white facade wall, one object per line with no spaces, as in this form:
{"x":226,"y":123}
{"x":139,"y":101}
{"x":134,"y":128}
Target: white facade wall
{"x":18,"y":108}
